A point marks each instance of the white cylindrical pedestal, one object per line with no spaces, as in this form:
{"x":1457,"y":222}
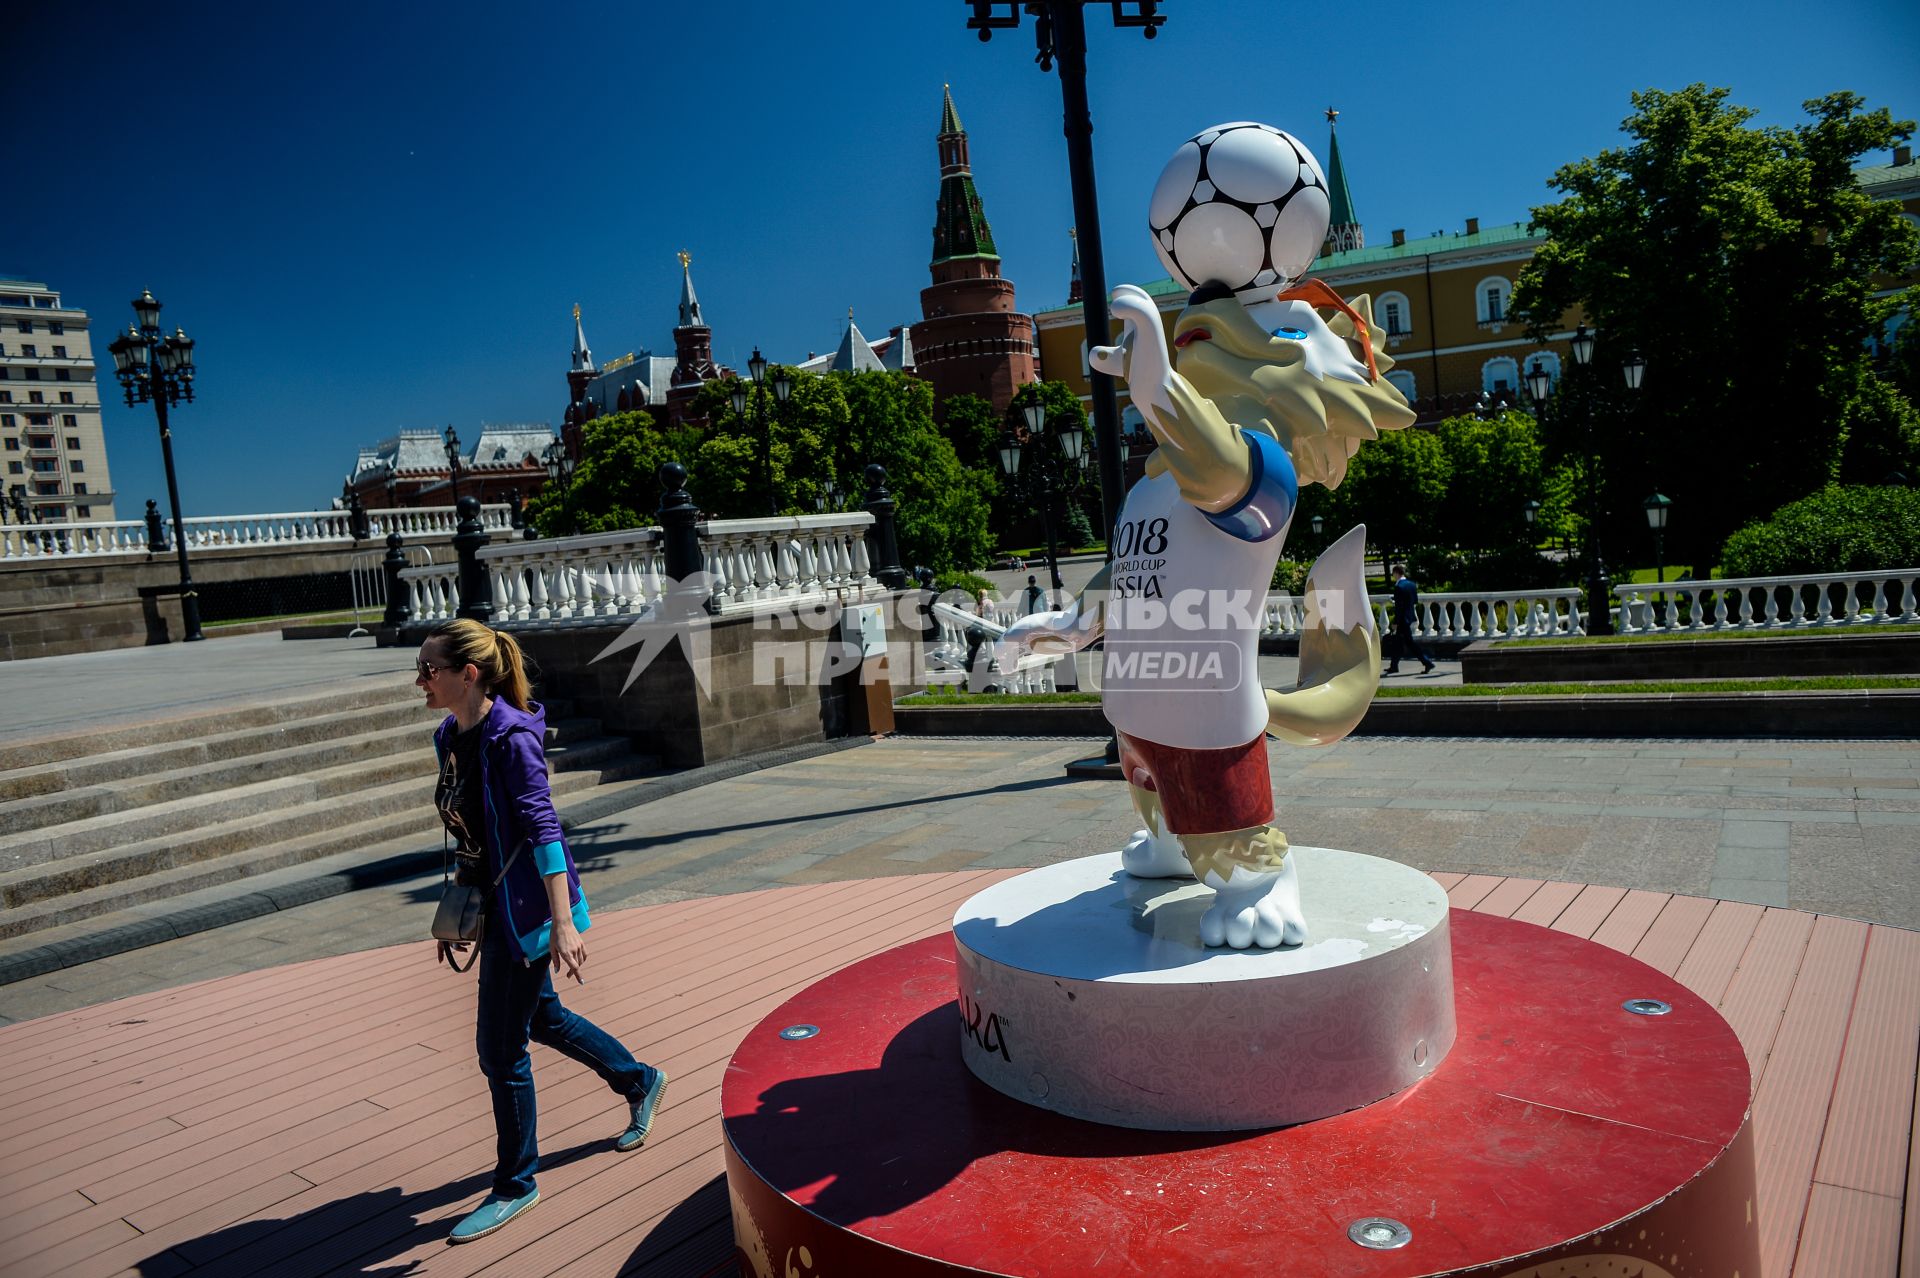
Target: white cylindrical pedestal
{"x":1087,"y":992}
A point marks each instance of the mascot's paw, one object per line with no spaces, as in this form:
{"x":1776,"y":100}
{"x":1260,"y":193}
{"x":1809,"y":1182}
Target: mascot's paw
{"x":1261,"y":911}
{"x":1147,"y":857}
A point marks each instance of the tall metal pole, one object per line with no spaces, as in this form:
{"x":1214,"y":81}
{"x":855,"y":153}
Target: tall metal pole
{"x":189,"y":597}
{"x":766,"y":449}
{"x":1046,"y":522}
{"x":1070,"y":48}
{"x":1599,"y":588}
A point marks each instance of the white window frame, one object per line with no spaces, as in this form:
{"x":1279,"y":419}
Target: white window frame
{"x":1406,"y":314}
{"x":1505,"y":286}
{"x":1505,"y":363}
{"x":1405,"y":380}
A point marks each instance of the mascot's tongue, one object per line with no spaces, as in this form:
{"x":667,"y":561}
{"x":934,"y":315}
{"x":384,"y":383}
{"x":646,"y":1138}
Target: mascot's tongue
{"x":1190,"y":336}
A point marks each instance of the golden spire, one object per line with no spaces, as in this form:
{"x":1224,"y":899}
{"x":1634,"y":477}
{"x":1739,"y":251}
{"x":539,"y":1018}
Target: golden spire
{"x":576,"y":312}
{"x":686,"y":259}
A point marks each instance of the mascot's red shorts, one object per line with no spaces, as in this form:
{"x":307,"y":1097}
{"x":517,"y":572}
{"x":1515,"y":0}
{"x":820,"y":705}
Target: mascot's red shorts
{"x":1203,"y":791}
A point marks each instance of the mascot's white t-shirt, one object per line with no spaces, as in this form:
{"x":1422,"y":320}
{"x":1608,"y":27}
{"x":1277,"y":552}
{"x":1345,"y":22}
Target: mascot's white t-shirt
{"x":1183,"y":622}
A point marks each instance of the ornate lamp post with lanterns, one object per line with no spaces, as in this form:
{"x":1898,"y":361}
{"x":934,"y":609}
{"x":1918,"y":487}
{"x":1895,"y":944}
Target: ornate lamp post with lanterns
{"x":559,"y":464}
{"x":1072,"y":447}
{"x":782,"y":387}
{"x":1540,"y":385}
{"x":452,"y":444}
{"x":159,"y":368}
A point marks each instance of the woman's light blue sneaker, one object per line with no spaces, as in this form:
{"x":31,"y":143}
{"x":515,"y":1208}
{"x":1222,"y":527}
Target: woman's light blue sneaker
{"x":490,"y":1215}
{"x":643,"y":1111}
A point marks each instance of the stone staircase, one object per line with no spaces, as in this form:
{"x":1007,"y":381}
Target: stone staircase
{"x":95,"y":822}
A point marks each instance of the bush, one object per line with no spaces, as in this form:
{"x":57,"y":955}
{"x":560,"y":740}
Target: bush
{"x":1838,"y":529}
{"x":970,"y":582}
{"x":1289,"y":575}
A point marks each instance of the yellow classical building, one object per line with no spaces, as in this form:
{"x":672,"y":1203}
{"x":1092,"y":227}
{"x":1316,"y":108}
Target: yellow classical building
{"x":1443,"y":300}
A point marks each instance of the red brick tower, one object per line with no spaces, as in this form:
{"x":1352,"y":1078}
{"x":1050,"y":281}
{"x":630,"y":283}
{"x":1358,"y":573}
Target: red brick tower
{"x":972,"y":340}
{"x":692,"y":349}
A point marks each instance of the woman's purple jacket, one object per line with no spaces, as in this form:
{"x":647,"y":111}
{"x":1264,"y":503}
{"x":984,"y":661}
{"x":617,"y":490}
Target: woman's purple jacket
{"x":519,"y":814}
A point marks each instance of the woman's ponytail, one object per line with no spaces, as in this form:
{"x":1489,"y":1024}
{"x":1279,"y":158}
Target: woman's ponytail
{"x":512,"y":666}
{"x":494,"y":653}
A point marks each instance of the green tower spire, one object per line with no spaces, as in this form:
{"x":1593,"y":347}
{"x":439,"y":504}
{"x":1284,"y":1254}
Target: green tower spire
{"x":1343,"y":228}
{"x":960,"y":227}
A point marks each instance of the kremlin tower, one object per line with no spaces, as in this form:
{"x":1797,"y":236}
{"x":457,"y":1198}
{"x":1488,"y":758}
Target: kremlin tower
{"x":972,"y":340}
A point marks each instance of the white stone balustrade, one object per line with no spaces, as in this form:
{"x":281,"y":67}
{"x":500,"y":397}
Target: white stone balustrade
{"x":603,"y":577}
{"x":758,"y":563}
{"x":214,"y":532}
{"x":1770,"y":603}
{"x":599,"y":577}
{"x":1464,"y":614}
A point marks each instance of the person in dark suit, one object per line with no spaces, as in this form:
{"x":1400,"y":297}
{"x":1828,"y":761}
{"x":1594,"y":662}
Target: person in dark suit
{"x":1406,"y":598}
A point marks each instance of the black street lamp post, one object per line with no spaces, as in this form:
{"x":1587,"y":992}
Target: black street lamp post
{"x":453,"y":463}
{"x":1656,"y":507}
{"x":1061,"y":33}
{"x":358,"y":526}
{"x":159,"y":368}
{"x":782,"y":387}
{"x":1540,"y":384}
{"x":1072,"y":446}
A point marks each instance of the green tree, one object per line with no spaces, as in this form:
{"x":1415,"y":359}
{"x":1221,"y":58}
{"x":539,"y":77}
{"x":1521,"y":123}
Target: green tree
{"x":943,"y":505}
{"x":1741,"y":260}
{"x":975,"y":430}
{"x":1494,"y":470}
{"x":1395,"y":486}
{"x":729,"y":467}
{"x":615,"y":485}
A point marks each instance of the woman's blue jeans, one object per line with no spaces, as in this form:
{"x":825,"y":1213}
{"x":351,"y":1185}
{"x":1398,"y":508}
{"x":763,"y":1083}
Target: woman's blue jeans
{"x":517,"y":1003}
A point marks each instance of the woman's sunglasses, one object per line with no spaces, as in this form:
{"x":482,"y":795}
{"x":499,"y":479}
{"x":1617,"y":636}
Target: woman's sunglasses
{"x":426,"y":668}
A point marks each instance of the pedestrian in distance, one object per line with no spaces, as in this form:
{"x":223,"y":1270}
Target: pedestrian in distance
{"x":1406,"y":599}
{"x":494,"y":799}
{"x":1036,"y":598}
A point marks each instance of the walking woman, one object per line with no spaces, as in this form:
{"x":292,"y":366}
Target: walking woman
{"x":493,"y":797}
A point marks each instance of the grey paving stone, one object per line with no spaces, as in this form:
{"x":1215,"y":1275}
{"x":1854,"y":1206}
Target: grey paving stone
{"x":1754,"y":834}
{"x":1750,"y":863}
{"x":1754,"y":891}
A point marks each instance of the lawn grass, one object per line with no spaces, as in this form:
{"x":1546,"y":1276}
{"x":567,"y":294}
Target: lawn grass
{"x":1661,"y":687}
{"x":947,"y":696}
{"x":1689,"y":636}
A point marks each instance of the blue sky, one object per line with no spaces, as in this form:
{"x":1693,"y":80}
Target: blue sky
{"x":375,"y":217}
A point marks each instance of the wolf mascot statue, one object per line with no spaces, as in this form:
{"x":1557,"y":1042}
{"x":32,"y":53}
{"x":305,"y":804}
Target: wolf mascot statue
{"x":1256,"y":401}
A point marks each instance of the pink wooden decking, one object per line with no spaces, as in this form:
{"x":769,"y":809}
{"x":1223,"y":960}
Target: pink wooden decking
{"x":328,"y":1117}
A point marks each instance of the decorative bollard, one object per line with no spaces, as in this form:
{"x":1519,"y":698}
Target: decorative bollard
{"x":883,"y":548}
{"x":156,"y":530}
{"x":677,"y":516}
{"x":476,"y":583}
{"x":399,"y":612}
{"x":358,"y":525}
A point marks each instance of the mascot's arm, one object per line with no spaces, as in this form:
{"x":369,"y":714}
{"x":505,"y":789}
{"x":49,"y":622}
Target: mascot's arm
{"x":1052,"y":634}
{"x":1206,"y":453}
{"x":1339,"y":651}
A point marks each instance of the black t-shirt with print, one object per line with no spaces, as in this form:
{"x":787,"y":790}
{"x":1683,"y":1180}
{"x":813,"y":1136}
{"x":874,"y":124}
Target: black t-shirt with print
{"x":462,"y":809}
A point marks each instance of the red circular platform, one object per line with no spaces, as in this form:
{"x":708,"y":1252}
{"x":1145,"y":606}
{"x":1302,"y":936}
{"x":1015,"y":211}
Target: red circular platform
{"x":1562,"y":1137}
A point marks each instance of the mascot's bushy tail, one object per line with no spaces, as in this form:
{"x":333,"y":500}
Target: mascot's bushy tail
{"x":1339,"y":651}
